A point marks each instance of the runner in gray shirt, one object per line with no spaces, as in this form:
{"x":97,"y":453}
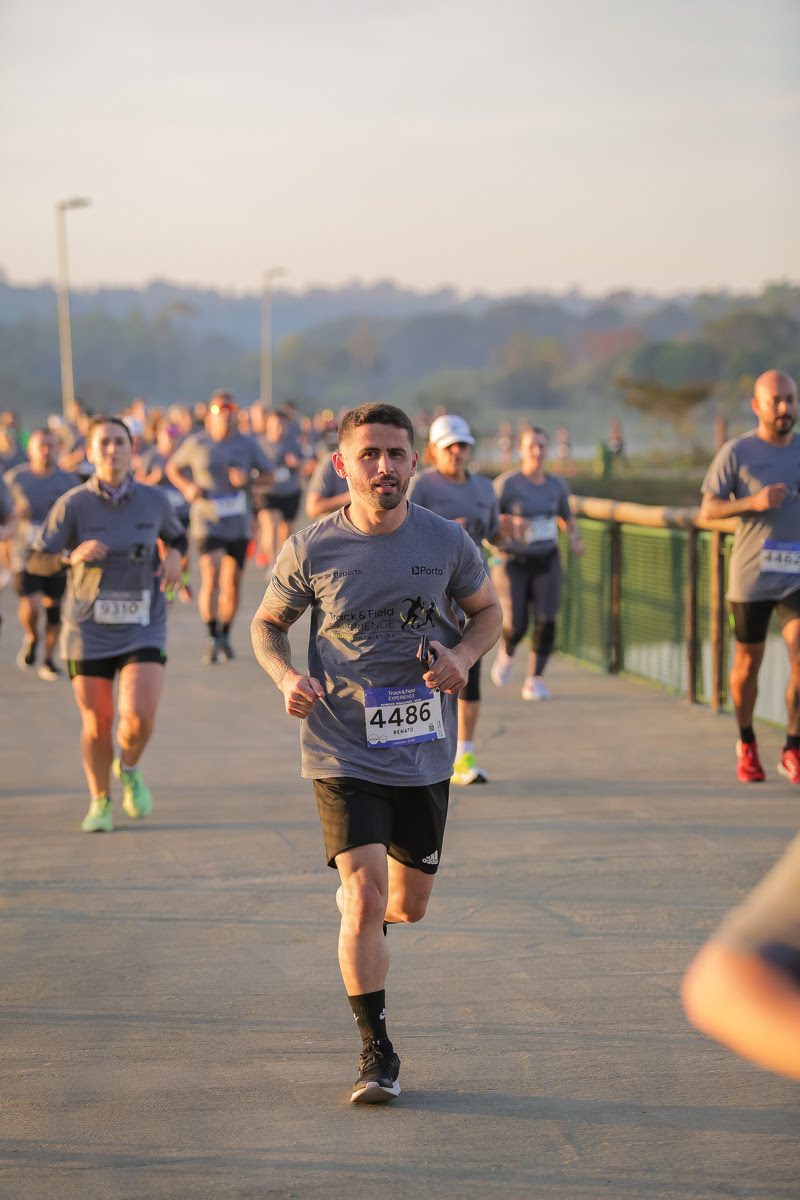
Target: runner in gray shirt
{"x":757,"y":478}
{"x":35,"y":486}
{"x":152,"y":470}
{"x":450,"y":490}
{"x":115,"y":615}
{"x":8,"y":520}
{"x":223,"y":464}
{"x":277,"y":503}
{"x":379,"y":724}
{"x":326,"y":490}
{"x":528,"y":579}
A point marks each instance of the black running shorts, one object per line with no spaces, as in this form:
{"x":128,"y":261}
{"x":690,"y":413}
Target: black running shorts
{"x":751,"y":617}
{"x":51,"y":586}
{"x":106,"y":668}
{"x":408,"y":821}
{"x":236,"y":549}
{"x":287,"y":506}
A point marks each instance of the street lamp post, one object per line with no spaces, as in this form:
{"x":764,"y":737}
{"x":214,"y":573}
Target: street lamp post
{"x":62,"y":293}
{"x":266,"y":333}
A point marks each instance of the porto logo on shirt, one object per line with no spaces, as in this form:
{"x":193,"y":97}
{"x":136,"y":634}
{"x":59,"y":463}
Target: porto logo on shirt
{"x":418,"y":613}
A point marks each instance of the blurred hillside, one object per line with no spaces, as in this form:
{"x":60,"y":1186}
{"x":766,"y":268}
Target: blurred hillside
{"x":551,"y":358}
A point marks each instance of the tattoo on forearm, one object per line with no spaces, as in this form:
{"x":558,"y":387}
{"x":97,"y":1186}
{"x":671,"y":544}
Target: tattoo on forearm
{"x":272,"y":649}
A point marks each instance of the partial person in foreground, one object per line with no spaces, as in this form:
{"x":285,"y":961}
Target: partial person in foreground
{"x":528,"y":579}
{"x":743,"y":988}
{"x":756,"y":477}
{"x":379,"y":724}
{"x":106,"y":532}
{"x":35,"y":486}
{"x":467,"y":498}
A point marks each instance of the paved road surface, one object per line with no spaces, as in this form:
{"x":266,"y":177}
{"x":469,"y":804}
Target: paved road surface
{"x":174,"y":1021}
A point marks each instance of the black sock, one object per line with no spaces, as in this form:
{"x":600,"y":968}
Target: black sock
{"x":224,"y":629}
{"x":746,"y":735}
{"x":212,"y":627}
{"x":369,"y":1011}
{"x":792,"y":741}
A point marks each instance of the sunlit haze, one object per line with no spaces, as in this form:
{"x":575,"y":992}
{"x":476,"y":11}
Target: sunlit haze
{"x":497,"y":146}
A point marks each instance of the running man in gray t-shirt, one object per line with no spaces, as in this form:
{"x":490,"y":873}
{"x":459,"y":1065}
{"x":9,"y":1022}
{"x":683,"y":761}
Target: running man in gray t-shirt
{"x":457,"y":494}
{"x":223,"y":464}
{"x":757,"y":478}
{"x":108,"y":532}
{"x":378,"y":734}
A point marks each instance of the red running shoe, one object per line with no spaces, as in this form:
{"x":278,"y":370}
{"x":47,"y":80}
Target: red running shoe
{"x":790,"y":765}
{"x":748,"y":764}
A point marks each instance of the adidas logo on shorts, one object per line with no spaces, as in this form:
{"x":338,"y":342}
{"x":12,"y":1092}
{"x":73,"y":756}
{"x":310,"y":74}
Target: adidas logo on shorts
{"x":432,"y":859}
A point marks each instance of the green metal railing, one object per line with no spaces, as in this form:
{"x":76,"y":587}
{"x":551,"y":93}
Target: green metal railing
{"x":648,"y":600}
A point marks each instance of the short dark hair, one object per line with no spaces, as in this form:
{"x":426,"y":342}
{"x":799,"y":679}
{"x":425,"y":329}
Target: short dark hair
{"x":375,"y":413}
{"x":96,"y":422}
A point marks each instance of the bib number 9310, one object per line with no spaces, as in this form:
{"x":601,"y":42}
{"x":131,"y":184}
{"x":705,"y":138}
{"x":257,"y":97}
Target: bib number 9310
{"x":402,"y":716}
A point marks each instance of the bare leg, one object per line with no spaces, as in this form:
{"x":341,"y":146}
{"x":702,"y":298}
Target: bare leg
{"x":140,"y":686}
{"x":363,"y":954}
{"x":28,"y":614}
{"x":230,"y":579}
{"x":409,"y":893}
{"x":208,"y":595}
{"x":266,"y":534}
{"x":747,"y":659}
{"x":95,"y":699}
{"x":791,"y":635}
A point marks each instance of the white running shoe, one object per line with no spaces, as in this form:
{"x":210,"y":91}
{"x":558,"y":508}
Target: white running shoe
{"x":502,"y":667}
{"x":534,"y":689}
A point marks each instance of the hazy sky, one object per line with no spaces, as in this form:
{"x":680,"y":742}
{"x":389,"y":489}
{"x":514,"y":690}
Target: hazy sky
{"x":489,"y":144}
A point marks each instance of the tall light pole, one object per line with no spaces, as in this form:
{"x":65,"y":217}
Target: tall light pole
{"x":62,"y":293}
{"x":266,"y":333}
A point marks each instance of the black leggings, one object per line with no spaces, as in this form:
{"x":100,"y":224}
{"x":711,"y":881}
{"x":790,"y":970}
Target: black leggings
{"x":529,"y":587}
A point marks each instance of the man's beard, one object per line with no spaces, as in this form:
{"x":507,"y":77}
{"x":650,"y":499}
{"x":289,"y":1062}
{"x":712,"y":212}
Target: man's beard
{"x":376,"y":499}
{"x":784,"y":424}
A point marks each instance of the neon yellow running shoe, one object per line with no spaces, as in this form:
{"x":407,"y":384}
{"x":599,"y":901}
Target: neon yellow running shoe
{"x":99,"y":818}
{"x":465,"y":771}
{"x":136,"y":798}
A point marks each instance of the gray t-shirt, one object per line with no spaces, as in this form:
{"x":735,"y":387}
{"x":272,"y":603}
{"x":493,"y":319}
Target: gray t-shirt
{"x":474,"y":500}
{"x":325,"y":481}
{"x":372,"y":596}
{"x":541,"y":504}
{"x":38,"y":493}
{"x":286,"y":480}
{"x":223,"y":511}
{"x":765,"y":561}
{"x":149,"y":462}
{"x":116,"y":605}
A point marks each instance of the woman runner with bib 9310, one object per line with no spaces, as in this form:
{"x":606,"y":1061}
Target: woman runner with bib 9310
{"x":528,"y":580}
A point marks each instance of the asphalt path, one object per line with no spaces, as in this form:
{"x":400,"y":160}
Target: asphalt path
{"x":173,"y":1020}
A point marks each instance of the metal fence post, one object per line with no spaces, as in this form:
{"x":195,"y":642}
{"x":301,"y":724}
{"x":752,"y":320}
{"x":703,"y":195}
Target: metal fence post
{"x":717,"y":619}
{"x":691,"y":615}
{"x":615,"y":622}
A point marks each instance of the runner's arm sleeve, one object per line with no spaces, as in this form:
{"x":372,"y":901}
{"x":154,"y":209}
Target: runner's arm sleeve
{"x":170,"y":531}
{"x":470,"y":570}
{"x":55,"y":540}
{"x":722,"y":476}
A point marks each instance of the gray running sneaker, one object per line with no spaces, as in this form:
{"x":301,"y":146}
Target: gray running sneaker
{"x":225,"y":648}
{"x":377,"y":1076}
{"x":211,"y":652}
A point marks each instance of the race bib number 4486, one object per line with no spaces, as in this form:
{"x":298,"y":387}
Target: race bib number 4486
{"x":401,"y":716}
